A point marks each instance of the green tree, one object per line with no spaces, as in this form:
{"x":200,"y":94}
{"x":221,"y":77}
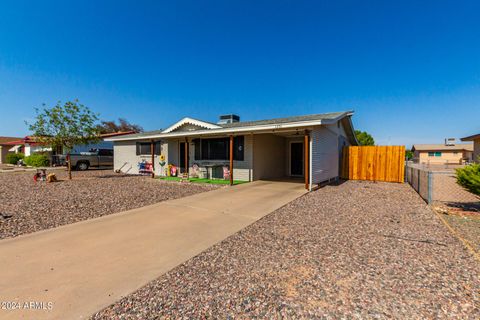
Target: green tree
{"x":364,"y":138}
{"x":469,"y":177}
{"x":409,"y":154}
{"x":65,"y":126}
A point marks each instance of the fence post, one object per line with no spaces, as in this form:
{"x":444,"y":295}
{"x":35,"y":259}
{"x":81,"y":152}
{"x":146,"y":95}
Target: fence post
{"x":430,"y":191}
{"x":418,"y":181}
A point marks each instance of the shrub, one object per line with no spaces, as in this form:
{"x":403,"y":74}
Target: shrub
{"x":469,"y":178}
{"x":13,"y":158}
{"x":37,"y":160}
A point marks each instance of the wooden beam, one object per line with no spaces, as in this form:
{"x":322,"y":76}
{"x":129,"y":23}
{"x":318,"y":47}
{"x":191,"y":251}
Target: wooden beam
{"x":231,"y":160}
{"x":186,"y":156}
{"x":306,"y":157}
{"x":152,"y":151}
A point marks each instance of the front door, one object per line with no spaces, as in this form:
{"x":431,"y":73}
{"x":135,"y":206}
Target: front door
{"x":296,"y":158}
{"x":182,"y":157}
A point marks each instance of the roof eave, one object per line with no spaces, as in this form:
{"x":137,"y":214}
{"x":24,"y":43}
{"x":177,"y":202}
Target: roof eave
{"x":240,"y":129}
{"x":292,"y":125}
{"x":471,"y":138}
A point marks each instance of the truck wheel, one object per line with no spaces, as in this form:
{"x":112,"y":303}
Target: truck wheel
{"x":82,"y":166}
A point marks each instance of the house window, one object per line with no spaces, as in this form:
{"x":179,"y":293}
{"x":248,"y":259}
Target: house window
{"x":144,"y":148}
{"x":219,"y":148}
{"x":435,"y":154}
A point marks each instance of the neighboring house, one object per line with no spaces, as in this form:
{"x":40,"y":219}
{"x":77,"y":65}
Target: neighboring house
{"x":5,"y":147}
{"x":30,"y":144}
{"x":476,"y":145}
{"x":448,"y":153}
{"x":304,"y":146}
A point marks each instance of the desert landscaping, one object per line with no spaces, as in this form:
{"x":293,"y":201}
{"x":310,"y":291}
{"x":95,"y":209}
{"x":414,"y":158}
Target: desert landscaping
{"x":29,"y":206}
{"x":359,"y":250}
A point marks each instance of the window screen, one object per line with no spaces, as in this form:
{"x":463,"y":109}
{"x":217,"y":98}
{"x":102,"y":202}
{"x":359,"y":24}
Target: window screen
{"x":144,"y":148}
{"x":219,"y":148}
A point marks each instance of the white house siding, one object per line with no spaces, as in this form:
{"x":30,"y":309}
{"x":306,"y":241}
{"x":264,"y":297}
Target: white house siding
{"x":126,"y":160}
{"x":31,"y":149}
{"x":324,"y":154}
{"x":269,"y":156}
{"x":124,"y":157}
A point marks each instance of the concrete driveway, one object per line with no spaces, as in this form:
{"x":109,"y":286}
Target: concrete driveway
{"x":73,"y":271}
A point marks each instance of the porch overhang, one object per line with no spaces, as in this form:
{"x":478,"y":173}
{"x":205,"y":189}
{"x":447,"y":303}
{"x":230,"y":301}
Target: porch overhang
{"x":228,"y":131}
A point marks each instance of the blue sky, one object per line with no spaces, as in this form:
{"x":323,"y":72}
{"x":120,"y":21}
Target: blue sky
{"x":409,"y":69}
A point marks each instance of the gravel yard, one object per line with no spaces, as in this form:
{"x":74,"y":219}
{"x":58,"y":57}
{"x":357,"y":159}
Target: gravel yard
{"x":468,"y":226}
{"x":27,"y":206}
{"x":357,"y":250}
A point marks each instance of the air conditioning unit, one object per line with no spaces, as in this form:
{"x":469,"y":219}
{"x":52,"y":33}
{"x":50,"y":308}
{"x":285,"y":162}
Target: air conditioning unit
{"x":228,"y":118}
{"x":449,"y":141}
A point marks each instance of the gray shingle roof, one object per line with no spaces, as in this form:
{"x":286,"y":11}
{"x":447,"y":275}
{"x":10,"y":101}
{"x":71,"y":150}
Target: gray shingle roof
{"x":311,"y":117}
{"x":143,"y":134}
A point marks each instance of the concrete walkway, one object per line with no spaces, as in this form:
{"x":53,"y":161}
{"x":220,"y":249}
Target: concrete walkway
{"x":73,"y":271}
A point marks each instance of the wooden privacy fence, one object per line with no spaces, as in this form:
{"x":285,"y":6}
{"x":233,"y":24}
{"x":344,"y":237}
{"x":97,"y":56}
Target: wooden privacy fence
{"x":376,"y":163}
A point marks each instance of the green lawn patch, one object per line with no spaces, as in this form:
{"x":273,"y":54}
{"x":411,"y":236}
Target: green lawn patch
{"x":203,"y":180}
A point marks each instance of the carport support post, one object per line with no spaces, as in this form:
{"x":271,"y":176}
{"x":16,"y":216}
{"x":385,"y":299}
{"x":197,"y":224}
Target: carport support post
{"x":231,"y":160}
{"x":186,"y":157}
{"x":306,"y":159}
{"x":152,"y":151}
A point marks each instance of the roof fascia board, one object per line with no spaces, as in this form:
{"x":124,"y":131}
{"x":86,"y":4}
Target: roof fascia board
{"x":471,"y":138}
{"x":220,"y":130}
{"x":188,"y":120}
{"x":289,"y":125}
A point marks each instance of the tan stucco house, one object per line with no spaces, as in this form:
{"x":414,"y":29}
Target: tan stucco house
{"x":443,"y":153}
{"x":305,"y":147}
{"x":476,"y":145}
{"x":5,"y":147}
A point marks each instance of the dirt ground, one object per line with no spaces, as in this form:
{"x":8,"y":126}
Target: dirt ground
{"x":356,"y":250}
{"x":27,"y":206}
{"x":464,"y":218}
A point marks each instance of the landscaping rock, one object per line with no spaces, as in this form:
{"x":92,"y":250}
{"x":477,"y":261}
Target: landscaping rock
{"x":93,"y":193}
{"x":358,"y":250}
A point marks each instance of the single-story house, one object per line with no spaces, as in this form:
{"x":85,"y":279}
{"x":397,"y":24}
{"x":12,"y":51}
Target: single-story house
{"x":304,"y":147}
{"x":476,"y":145}
{"x":5,"y":147}
{"x":448,"y":153}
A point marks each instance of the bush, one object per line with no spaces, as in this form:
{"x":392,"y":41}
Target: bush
{"x":37,"y":160}
{"x":469,"y":178}
{"x":13,"y":158}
